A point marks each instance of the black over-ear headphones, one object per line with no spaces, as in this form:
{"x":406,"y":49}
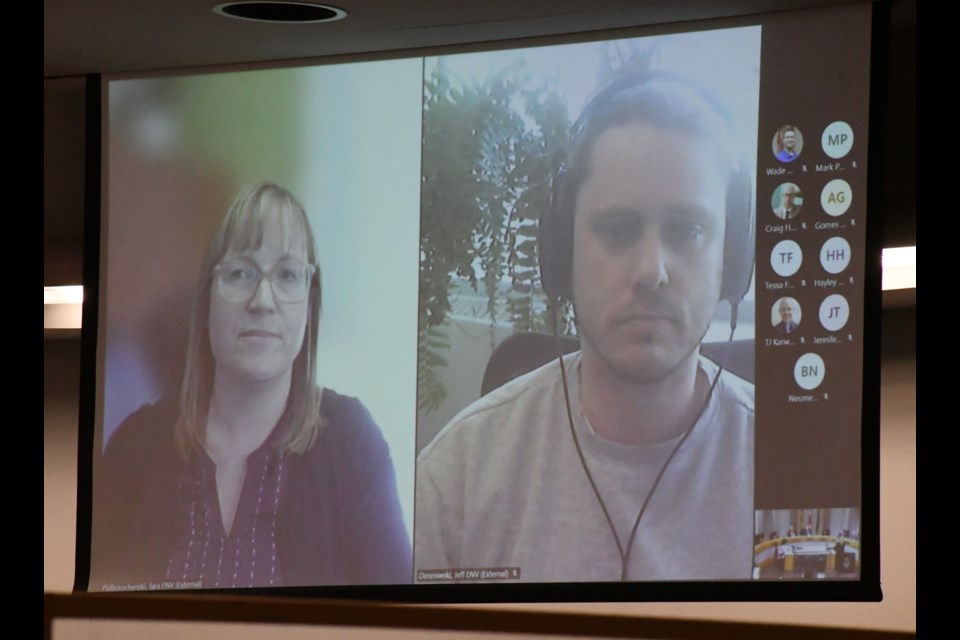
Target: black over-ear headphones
{"x":661,"y":99}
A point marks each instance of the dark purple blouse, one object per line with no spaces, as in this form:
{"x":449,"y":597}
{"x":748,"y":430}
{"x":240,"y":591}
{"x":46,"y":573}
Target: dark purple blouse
{"x":328,"y":516}
{"x":248,"y":556}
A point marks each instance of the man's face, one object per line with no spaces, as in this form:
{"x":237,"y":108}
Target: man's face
{"x":648,"y":250}
{"x":788,"y":196}
{"x":789,"y":139}
{"x":786,"y":312}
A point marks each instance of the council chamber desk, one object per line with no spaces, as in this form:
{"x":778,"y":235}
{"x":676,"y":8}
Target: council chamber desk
{"x":807,"y":557}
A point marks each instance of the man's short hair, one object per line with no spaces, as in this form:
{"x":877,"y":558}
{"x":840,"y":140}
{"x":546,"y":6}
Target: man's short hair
{"x":668,"y":102}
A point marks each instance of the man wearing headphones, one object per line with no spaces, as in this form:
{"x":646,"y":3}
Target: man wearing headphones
{"x":631,"y":459}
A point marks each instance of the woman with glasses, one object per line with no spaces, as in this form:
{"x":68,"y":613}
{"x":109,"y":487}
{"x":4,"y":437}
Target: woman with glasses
{"x":256,"y":477}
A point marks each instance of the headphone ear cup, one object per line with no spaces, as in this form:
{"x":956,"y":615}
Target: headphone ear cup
{"x":555,"y":235}
{"x":739,"y":244}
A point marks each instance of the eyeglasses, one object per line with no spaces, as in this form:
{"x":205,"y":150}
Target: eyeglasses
{"x":238,"y":280}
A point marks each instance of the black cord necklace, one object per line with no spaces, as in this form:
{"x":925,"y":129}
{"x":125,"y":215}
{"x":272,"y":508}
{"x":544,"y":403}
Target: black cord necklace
{"x":625,"y":553}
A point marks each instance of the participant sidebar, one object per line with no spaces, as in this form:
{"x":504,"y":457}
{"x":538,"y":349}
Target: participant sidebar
{"x":810,"y":267}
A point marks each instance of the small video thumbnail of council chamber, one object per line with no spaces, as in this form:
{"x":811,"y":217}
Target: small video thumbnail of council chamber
{"x":807,"y":544}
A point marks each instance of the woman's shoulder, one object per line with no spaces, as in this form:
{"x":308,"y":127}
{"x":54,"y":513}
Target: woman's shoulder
{"x":346,"y":423}
{"x":343,"y":411}
{"x":149,"y":428}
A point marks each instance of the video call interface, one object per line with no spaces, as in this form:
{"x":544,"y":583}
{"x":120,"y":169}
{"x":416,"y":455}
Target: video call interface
{"x":589,"y":311}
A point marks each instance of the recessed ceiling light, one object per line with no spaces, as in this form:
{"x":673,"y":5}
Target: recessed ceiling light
{"x":285,"y":12}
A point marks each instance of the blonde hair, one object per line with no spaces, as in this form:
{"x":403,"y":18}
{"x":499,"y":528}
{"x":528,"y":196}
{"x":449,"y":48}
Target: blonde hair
{"x":242,"y":229}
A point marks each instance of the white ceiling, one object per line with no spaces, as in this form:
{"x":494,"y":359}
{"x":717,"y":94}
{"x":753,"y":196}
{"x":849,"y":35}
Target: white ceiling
{"x":102,"y":36}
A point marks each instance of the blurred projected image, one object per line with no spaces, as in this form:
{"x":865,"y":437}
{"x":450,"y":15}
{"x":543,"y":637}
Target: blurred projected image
{"x":255,"y":475}
{"x":807,"y":544}
{"x":602,"y":193}
{"x":225,"y":459}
